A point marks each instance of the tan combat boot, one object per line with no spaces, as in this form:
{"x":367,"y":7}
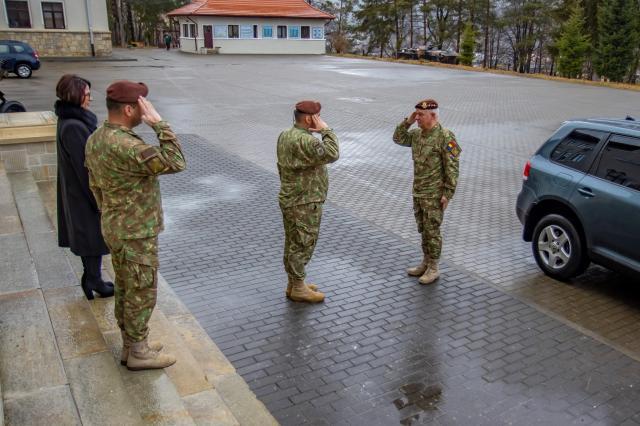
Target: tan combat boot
{"x":141,"y":357}
{"x":432,"y":273}
{"x":419,"y":270}
{"x":301,"y":293}
{"x":126,"y":346}
{"x":312,"y":287}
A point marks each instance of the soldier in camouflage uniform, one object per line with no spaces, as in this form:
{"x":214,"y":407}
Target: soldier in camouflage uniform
{"x":436,"y":156}
{"x":304,"y":181}
{"x":123,"y":175}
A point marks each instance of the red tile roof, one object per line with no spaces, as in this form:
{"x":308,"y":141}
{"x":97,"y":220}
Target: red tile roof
{"x":253,"y":8}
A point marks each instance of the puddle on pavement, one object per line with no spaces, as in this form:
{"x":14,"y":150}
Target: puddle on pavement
{"x":418,"y":397}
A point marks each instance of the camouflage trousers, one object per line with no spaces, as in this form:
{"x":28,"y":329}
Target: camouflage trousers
{"x":301,"y":229}
{"x":428,"y":213}
{"x":135,"y":263}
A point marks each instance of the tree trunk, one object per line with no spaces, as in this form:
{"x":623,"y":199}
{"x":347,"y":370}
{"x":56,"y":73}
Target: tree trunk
{"x":486,"y":33}
{"x":411,"y":27}
{"x":424,"y":21}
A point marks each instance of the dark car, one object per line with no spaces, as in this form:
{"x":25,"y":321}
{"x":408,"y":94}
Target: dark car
{"x":18,"y":58}
{"x":580,"y":199}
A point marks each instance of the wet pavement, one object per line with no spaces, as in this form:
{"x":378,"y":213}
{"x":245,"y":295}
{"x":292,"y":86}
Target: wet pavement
{"x":239,"y":104}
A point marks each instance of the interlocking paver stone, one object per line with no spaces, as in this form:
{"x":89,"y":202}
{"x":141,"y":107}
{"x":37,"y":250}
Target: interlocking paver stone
{"x":344,"y":361}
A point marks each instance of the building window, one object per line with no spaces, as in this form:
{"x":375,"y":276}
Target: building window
{"x":233,"y":31}
{"x":192,"y":31}
{"x":317,"y":33}
{"x":185,"y":30}
{"x":294,"y":32}
{"x":282,"y":31}
{"x":220,"y":31}
{"x":255,"y":31}
{"x":18,"y":14}
{"x":246,"y":31}
{"x":305,"y":32}
{"x":267,"y":31}
{"x":53,"y":15}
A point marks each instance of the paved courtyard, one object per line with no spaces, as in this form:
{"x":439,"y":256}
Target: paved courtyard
{"x":507,"y":344}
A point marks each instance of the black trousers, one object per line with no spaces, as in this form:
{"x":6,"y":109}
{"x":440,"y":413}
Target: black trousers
{"x":92,"y":267}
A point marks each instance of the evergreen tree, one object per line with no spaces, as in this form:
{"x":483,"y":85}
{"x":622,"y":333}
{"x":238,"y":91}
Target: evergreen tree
{"x":376,"y":22}
{"x":617,"y":39}
{"x":468,"y":45}
{"x":573,"y":45}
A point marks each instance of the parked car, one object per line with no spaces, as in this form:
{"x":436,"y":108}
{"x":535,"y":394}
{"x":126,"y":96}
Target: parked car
{"x":18,"y":58}
{"x":580,"y":198}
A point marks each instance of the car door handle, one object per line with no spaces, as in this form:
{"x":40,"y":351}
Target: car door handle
{"x":587,"y":192}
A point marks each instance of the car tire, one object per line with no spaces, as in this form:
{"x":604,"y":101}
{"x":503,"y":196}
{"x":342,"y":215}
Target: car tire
{"x":23,"y":70}
{"x":558,"y":247}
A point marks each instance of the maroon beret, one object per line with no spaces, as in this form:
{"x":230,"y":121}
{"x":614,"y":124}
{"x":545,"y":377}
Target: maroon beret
{"x":427,"y":104}
{"x":126,"y":92}
{"x":308,"y":107}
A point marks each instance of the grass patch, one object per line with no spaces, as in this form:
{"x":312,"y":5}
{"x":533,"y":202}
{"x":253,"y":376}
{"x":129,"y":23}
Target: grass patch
{"x":623,"y":86}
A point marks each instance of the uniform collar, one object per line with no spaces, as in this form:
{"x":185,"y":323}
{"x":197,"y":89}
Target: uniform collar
{"x":118,"y":127}
{"x":295,"y":126}
{"x":431,"y":131}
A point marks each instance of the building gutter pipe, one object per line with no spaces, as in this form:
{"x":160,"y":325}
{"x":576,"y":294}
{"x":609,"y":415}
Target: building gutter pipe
{"x":87,"y":4}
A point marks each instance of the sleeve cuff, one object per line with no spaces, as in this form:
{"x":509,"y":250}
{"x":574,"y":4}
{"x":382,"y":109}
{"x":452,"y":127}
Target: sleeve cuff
{"x":159,"y":126}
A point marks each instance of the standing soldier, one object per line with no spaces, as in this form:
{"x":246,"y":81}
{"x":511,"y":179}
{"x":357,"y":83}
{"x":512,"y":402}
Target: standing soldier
{"x":167,"y":40}
{"x":436,"y":156}
{"x":302,"y":165}
{"x":123,"y":176}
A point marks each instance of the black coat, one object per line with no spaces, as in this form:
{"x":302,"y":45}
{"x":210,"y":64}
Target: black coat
{"x":78,"y":214}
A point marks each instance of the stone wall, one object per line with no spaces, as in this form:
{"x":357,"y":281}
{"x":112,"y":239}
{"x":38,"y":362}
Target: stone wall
{"x":62,"y":43}
{"x":28,"y":143}
{"x":37,"y":157}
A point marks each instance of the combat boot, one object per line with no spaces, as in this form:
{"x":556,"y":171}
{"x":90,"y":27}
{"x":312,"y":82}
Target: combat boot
{"x":419,"y":270}
{"x":126,"y":346}
{"x":141,"y":357}
{"x":301,"y":293}
{"x":432,"y":273}
{"x":312,"y":287}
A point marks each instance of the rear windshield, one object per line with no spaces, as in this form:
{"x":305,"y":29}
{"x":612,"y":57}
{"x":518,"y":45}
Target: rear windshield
{"x":576,"y":150}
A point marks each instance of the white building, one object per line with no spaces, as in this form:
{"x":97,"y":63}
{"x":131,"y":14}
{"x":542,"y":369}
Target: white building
{"x":58,"y":27}
{"x":252,"y":27}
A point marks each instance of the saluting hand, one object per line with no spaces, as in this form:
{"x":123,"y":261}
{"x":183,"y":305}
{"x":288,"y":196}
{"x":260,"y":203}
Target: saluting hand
{"x":318,"y":124}
{"x":149,"y":114}
{"x":411,"y":119}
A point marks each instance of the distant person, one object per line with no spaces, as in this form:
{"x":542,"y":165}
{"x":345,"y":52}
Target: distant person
{"x":123,"y":174}
{"x":78,"y":214}
{"x":436,"y":157}
{"x":304,"y":181}
{"x":167,"y":40}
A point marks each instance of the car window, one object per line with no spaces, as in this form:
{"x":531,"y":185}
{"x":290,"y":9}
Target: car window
{"x":18,"y":49}
{"x":4,"y":48}
{"x":620,"y":162}
{"x":577,"y":149}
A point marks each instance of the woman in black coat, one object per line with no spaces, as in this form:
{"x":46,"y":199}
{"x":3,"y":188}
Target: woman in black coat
{"x":78,"y":214}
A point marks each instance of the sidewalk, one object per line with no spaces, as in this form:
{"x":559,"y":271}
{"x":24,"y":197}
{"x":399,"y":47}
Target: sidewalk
{"x":365,"y":355}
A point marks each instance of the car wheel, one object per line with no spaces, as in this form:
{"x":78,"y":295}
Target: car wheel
{"x":557,"y":247}
{"x":23,"y":71}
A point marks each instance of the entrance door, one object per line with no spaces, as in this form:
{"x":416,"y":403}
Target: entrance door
{"x":208,"y":36}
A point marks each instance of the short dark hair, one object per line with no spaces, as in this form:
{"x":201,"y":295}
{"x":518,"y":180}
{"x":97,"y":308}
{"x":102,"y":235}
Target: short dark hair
{"x":113,"y":106}
{"x":298,"y":115}
{"x":70,"y":88}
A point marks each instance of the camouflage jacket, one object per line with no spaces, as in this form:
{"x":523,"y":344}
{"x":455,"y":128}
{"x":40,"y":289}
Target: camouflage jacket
{"x":436,"y":157}
{"x":302,"y":160}
{"x":123,"y":176}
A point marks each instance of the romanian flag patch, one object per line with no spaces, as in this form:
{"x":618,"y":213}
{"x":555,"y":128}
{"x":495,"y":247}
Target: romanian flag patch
{"x":454,"y":149}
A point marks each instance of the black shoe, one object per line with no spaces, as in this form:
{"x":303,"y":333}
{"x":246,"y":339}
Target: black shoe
{"x":102,"y":288}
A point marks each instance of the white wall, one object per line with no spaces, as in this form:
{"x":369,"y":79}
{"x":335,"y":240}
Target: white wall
{"x":255,"y":45}
{"x":75,"y":15}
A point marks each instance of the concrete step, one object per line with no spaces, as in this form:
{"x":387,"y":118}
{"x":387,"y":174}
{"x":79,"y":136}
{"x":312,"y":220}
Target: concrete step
{"x":54,"y":364}
{"x":202,"y":388}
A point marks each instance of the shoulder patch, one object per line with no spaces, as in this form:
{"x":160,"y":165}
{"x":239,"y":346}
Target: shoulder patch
{"x":453,"y":149}
{"x":319,"y":147}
